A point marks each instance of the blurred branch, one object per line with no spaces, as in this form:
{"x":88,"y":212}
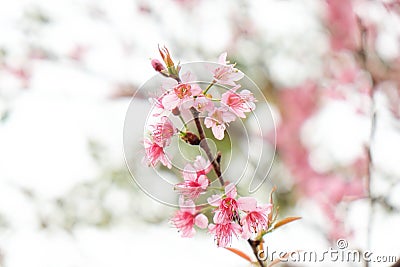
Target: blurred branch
{"x":363,"y":56}
{"x":385,"y":203}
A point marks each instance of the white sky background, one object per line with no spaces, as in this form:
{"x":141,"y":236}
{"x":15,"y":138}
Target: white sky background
{"x":44,"y":141}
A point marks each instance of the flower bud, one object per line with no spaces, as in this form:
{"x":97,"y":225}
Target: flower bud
{"x":157,"y":65}
{"x":166,"y":56}
{"x":176,"y":111}
{"x":191,"y":138}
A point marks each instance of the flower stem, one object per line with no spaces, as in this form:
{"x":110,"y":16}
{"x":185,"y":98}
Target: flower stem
{"x":183,"y":122}
{"x":216,"y":188}
{"x":205,"y":147}
{"x":208,"y":87}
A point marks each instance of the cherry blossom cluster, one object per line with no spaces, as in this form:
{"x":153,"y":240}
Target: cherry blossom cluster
{"x":182,"y":93}
{"x":232,"y":215}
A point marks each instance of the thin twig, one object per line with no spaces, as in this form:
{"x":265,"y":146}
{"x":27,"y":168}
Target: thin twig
{"x":363,"y":57}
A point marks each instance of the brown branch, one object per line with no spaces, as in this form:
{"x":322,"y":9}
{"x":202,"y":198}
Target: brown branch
{"x":254,"y":246}
{"x":206,"y":148}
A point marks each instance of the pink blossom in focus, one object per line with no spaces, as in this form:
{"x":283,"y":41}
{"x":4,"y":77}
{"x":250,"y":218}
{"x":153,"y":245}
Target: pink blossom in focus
{"x":255,"y":220}
{"x":227,"y":207}
{"x":195,"y":179}
{"x":157,"y":106}
{"x":182,"y":92}
{"x":200,"y":166}
{"x":186,"y":218}
{"x":193,"y":185}
{"x":217,"y":119}
{"x":200,"y":103}
{"x":223,"y":232}
{"x":226,"y":73}
{"x":239,"y":103}
{"x":163,"y":131}
{"x":155,"y":153}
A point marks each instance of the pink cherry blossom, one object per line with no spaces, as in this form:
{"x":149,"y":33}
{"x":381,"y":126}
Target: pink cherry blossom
{"x":200,"y":166}
{"x":195,"y":179}
{"x":186,"y":218}
{"x":227,"y":207}
{"x":223,"y":232}
{"x":182,"y":92}
{"x":238,"y":103}
{"x":200,"y":103}
{"x":157,"y":106}
{"x":193,"y":185}
{"x":256,"y":218}
{"x":217,"y":120}
{"x":226,"y":73}
{"x":155,"y":153}
{"x":163,"y":131}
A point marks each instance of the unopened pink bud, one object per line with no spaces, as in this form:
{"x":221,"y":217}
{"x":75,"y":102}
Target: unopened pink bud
{"x":176,"y":111}
{"x":157,"y":65}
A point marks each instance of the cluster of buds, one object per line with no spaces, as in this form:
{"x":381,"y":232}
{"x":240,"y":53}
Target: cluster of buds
{"x":225,"y":214}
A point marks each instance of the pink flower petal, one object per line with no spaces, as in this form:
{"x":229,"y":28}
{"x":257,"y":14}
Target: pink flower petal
{"x":196,"y":90}
{"x":208,"y":122}
{"x":201,"y":221}
{"x":214,"y":200}
{"x":247,"y":203}
{"x":228,"y":116}
{"x":246,"y":234}
{"x":170,"y":101}
{"x":230,"y":190}
{"x":188,"y":77}
{"x":222,"y":58}
{"x":189,"y":176}
{"x":218,"y":131}
{"x":189,"y":234}
{"x":203,"y":181}
{"x":201,"y":164}
{"x":267,"y":208}
{"x":187,"y":205}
